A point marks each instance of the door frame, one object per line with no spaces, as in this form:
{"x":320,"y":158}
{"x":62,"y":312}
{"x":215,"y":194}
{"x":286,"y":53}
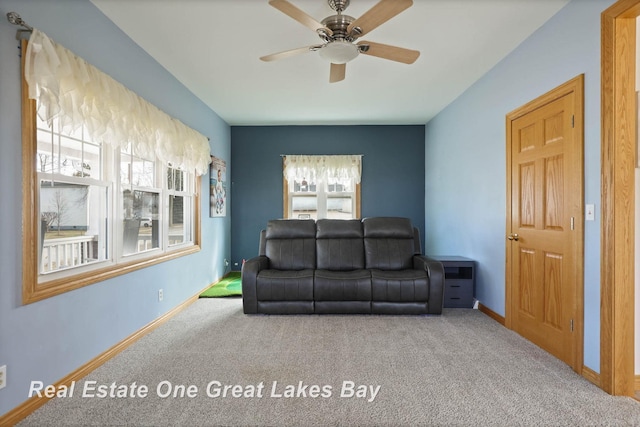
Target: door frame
{"x":575,"y":85}
{"x":618,"y":150}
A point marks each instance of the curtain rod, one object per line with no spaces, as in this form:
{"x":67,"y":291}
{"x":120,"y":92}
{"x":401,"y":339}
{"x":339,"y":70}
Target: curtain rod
{"x":15,"y":19}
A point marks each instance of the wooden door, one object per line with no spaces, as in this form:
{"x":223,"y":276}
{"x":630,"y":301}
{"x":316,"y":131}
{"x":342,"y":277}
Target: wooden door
{"x":545,"y":222}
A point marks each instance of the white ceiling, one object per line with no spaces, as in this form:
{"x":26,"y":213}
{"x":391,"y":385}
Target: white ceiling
{"x":213,"y":46}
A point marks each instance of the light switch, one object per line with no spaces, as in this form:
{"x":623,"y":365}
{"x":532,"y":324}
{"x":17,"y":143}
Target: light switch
{"x":590,"y":212}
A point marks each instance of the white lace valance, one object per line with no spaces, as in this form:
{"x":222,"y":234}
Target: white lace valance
{"x":76,"y":93}
{"x":298,"y":167}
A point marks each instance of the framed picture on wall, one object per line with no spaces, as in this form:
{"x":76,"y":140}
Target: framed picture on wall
{"x":217,"y":187}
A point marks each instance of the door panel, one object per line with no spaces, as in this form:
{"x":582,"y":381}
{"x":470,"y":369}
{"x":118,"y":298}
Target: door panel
{"x":544,"y":250}
{"x":553,"y":290}
{"x":527,"y":282}
{"x":527,"y":195}
{"x":554,"y":193}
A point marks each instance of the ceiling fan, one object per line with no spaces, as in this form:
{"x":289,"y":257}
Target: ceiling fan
{"x":339,"y":33}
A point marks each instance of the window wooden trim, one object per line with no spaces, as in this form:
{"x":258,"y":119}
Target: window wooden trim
{"x":33,"y":291}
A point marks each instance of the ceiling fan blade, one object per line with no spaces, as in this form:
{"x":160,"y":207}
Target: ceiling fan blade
{"x":289,"y":53}
{"x":379,"y":14}
{"x":393,"y":53}
{"x":337,"y":72}
{"x":294,"y":12}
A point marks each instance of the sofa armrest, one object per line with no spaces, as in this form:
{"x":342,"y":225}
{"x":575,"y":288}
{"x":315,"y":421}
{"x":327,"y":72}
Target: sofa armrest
{"x":435,"y":271}
{"x":250,"y":270}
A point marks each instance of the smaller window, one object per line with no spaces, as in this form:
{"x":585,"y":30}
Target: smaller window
{"x":317,"y":187}
{"x":180,"y":207}
{"x":140,"y":203}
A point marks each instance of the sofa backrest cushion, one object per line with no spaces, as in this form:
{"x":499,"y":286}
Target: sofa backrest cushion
{"x":339,"y":244}
{"x":290,"y":244}
{"x":262,"y":247}
{"x":416,"y":241}
{"x":388,"y":243}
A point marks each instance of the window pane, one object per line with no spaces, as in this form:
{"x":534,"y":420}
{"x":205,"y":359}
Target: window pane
{"x":136,"y":170}
{"x":179,"y":220}
{"x":304,"y":207}
{"x":304,"y":186}
{"x":340,"y":207}
{"x":44,"y":161}
{"x":141,"y":231}
{"x":142,"y":172}
{"x":340,"y":185}
{"x":72,"y":225}
{"x":175,"y":179}
{"x":125,"y":169}
{"x":92,"y":159}
{"x":71,"y":157}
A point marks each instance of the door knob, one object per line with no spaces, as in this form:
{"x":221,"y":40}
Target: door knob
{"x":513,"y":236}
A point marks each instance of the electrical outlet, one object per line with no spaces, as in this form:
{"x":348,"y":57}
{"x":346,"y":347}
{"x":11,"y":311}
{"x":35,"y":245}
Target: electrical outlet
{"x":160,"y":295}
{"x":3,"y":376}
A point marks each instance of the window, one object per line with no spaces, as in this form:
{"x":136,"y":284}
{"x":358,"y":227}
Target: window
{"x":140,"y":190}
{"x":318,"y":187}
{"x":94,"y":210}
{"x":180,"y":207}
{"x":71,"y":191}
{"x":77,"y":190}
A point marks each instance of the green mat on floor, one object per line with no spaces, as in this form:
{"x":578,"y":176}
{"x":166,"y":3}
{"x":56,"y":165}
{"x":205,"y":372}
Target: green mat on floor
{"x":229,"y":285}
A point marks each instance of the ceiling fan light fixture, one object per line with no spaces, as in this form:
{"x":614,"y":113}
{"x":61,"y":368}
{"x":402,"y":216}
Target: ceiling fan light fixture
{"x":339,"y":52}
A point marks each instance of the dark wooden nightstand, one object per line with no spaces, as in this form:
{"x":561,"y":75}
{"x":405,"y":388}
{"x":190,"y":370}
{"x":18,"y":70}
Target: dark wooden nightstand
{"x":459,"y":281}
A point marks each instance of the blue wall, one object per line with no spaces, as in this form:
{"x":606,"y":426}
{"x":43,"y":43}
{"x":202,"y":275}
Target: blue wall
{"x":466,"y":155}
{"x":49,"y":339}
{"x":392,"y":173}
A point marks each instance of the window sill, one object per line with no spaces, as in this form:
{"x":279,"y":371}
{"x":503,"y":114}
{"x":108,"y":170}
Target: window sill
{"x":33,"y":291}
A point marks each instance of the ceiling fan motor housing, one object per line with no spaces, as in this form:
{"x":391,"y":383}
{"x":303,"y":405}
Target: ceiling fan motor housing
{"x":338,"y":24}
{"x":339,"y":5}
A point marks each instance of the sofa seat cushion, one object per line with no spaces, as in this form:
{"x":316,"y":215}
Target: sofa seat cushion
{"x":399,"y":308}
{"x":399,"y":286}
{"x":285,"y":285}
{"x":342,"y":307}
{"x":352,"y":285}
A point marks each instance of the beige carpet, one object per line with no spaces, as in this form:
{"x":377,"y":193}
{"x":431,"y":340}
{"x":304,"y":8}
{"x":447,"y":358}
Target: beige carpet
{"x":461,"y":368}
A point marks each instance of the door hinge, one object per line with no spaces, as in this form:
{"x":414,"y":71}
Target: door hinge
{"x":571,"y":325}
{"x":573,"y":223}
{"x":573,"y":121}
